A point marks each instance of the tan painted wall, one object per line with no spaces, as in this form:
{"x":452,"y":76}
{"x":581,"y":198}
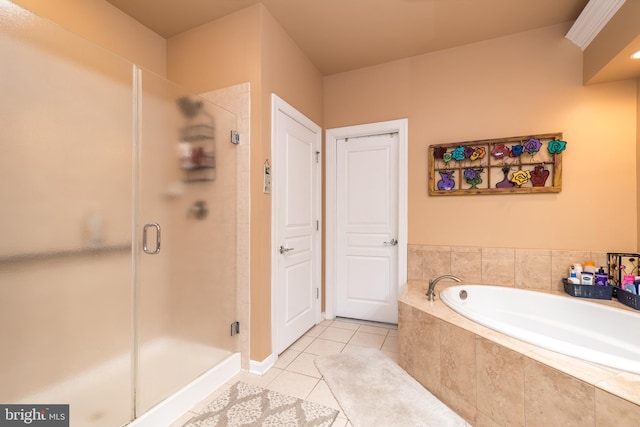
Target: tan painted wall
{"x":106,"y":25}
{"x":218,"y":54}
{"x":522,"y":84}
{"x":288,"y":73}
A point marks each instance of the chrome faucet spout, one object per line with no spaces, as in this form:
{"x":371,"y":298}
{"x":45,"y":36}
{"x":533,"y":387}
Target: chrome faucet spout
{"x":431,"y":293}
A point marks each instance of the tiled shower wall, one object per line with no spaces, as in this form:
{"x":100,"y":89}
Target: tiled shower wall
{"x":521,"y":268}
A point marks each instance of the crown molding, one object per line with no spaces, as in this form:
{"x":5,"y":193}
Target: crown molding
{"x":592,"y":20}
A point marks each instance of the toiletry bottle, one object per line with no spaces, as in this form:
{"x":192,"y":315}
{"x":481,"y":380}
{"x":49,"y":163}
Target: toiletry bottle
{"x":590,"y":266}
{"x":574,"y":274}
{"x":601,"y":277}
{"x":586,"y":278}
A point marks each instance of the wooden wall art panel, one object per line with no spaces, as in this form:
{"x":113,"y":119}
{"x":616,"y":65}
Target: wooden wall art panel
{"x":515,"y":165}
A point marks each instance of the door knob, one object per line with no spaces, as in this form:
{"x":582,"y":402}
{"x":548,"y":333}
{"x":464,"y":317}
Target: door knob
{"x":284,"y":250}
{"x":392,"y":242}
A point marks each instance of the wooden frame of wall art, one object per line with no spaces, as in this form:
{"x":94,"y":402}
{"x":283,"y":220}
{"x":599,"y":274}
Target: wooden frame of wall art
{"x":521,"y":164}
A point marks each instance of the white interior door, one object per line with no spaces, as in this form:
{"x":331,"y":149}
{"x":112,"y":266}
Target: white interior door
{"x":296,"y":187}
{"x":367,"y":228}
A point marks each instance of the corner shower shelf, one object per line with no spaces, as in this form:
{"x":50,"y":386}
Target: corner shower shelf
{"x":200,"y":164}
{"x":195,"y":133}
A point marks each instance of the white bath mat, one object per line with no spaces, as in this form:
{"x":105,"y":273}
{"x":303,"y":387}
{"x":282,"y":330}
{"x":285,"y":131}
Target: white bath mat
{"x":374,"y":391}
{"x":250,"y":406}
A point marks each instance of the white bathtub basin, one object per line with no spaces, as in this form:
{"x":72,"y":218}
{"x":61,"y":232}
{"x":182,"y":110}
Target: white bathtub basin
{"x":571,"y":326}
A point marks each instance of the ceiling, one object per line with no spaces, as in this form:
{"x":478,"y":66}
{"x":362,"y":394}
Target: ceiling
{"x":342,"y":35}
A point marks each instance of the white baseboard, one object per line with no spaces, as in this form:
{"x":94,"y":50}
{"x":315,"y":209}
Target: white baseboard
{"x":261,"y":368}
{"x":172,"y":408}
{"x":326,"y":316}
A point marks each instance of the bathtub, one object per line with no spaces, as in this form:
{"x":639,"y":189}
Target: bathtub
{"x":567,"y":325}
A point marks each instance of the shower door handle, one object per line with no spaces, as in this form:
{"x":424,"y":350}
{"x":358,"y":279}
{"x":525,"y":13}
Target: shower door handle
{"x":145,"y":229}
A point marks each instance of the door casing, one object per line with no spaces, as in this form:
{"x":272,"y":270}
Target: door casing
{"x":401,"y":126}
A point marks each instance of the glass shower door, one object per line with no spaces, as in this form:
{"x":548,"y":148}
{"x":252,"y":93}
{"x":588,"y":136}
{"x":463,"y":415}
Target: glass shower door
{"x":186,"y":238}
{"x":65,"y":222}
{"x":93,"y":315}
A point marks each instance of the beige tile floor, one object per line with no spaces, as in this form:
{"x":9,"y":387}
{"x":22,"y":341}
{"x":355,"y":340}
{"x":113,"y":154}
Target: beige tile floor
{"x":295,"y":373}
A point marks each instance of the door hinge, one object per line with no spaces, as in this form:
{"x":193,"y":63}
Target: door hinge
{"x":317,"y":225}
{"x":317,"y":157}
{"x":235,"y":137}
{"x":317,"y":293}
{"x":235,"y":328}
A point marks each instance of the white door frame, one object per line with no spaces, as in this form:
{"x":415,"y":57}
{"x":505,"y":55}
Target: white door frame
{"x":278,"y":104}
{"x":332,"y":136}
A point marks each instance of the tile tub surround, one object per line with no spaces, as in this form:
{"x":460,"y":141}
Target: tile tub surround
{"x":536,"y":269}
{"x":491,"y":379}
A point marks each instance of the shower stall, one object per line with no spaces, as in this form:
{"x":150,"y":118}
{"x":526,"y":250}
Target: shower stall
{"x":117,"y":228}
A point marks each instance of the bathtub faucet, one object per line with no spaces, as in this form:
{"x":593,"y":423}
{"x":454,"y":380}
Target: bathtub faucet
{"x":431,"y":293}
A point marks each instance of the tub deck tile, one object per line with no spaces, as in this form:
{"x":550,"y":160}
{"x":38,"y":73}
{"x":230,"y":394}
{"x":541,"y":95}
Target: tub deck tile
{"x":625,"y":385}
{"x":585,"y":371}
